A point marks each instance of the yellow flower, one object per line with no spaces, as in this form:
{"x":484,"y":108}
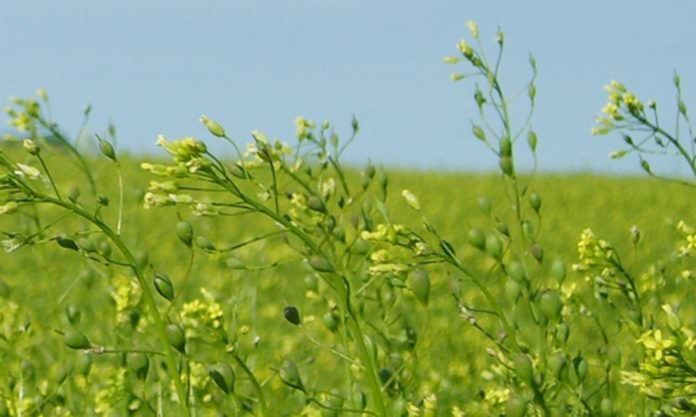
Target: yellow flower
{"x":653,"y":340}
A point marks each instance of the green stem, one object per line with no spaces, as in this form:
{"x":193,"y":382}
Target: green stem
{"x":254,"y":382}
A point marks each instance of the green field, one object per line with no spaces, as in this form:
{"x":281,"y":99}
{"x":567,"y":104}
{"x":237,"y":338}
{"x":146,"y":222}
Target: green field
{"x":431,"y":349}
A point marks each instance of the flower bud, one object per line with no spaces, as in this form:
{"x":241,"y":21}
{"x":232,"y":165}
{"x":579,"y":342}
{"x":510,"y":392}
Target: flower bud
{"x":31,"y":147}
{"x":107,"y":149}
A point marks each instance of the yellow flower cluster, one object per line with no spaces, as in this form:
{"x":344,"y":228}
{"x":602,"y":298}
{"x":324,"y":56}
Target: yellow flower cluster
{"x":620,"y":102}
{"x":198,"y":316}
{"x":126,"y":295}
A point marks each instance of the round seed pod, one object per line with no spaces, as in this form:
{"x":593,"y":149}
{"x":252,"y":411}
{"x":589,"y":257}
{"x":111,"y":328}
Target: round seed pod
{"x":83,"y":364}
{"x":184,"y":231}
{"x":580,"y":366}
{"x":535,"y":202}
{"x":73,"y":314}
{"x":506,"y":147}
{"x":4,"y":289}
{"x":527,"y":230}
{"x":485,"y":205}
{"x":65,"y":241}
{"x":502,"y":228}
{"x":311,"y":282}
{"x":290,"y":375}
{"x":562,"y":332}
{"x":164,"y":286}
{"x":516,"y":407}
{"x":138,"y":363}
{"x":512,"y":289}
{"x":292,"y":314}
{"x":315,"y":203}
{"x":320,"y":264}
{"x":204,"y":243}
{"x":606,"y":408}
{"x":507,"y":166}
{"x":516,"y":271}
{"x":176,"y":337}
{"x":76,"y":340}
{"x":223,"y":375}
{"x":537,"y":252}
{"x":330,"y":320}
{"x":494,"y":246}
{"x":523,"y":366}
{"x":551,"y":304}
{"x":556,"y":364}
{"x":105,"y":248}
{"x":238,"y":171}
{"x":477,"y":239}
{"x":107,"y":149}
{"x":419,"y":282}
{"x":558,"y":269}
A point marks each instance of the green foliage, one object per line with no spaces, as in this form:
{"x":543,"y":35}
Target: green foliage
{"x":303,"y":287}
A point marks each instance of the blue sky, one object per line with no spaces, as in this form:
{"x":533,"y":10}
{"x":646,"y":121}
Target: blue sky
{"x":155,"y":66}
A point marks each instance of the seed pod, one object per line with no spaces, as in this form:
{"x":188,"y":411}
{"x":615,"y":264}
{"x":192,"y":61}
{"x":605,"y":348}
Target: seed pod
{"x":138,"y":363}
{"x":107,"y":149}
{"x":516,"y":271}
{"x":535,"y":202}
{"x":76,"y":340}
{"x":142,"y":258}
{"x":205,"y":244}
{"x":419,"y":282}
{"x":315,"y":203}
{"x":290,"y":375}
{"x":580,"y":366}
{"x":523,"y":366}
{"x":537,"y":252}
{"x":320,"y":264}
{"x":223,"y":375}
{"x":532,"y":140}
{"x":558,"y":269}
{"x":334,"y":403}
{"x":562,"y":332}
{"x":505,"y":147}
{"x":292,"y":314}
{"x":502,"y":228}
{"x":556,"y":364}
{"x":103,"y":200}
{"x":478,"y":132}
{"x":527,"y":230}
{"x":176,"y":337}
{"x":213,"y":127}
{"x":515,"y":407}
{"x":73,"y":314}
{"x":66,"y":242}
{"x":512,"y":289}
{"x":105,"y":248}
{"x":606,"y":408}
{"x":494,"y":246}
{"x":550,"y":304}
{"x":507,"y":166}
{"x":184,"y":231}
{"x":84,"y":364}
{"x":330,"y":320}
{"x":164,"y":286}
{"x":477,"y":239}
{"x":485,"y":205}
{"x":4,"y":289}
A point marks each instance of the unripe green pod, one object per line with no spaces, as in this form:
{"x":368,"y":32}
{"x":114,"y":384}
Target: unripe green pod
{"x":551,"y":304}
{"x":164,"y":286}
{"x":139,"y":363}
{"x":516,"y":271}
{"x":477,"y":239}
{"x":290,"y":375}
{"x":292,"y":315}
{"x":512,"y":289}
{"x":103,"y":200}
{"x":83,"y":364}
{"x":107,"y":149}
{"x":239,"y":172}
{"x":478,"y":132}
{"x":485,"y":205}
{"x":311,"y":282}
{"x":224,"y":377}
{"x":507,"y":166}
{"x":66,"y":242}
{"x":334,"y":403}
{"x":73,"y":314}
{"x":359,"y":399}
{"x":86,"y":244}
{"x":184,"y":231}
{"x":506,"y":147}
{"x":494,"y":246}
{"x":562,"y":332}
{"x":502,"y":228}
{"x":535,"y":201}
{"x":398,"y":408}
{"x":361,"y":247}
{"x":606,"y":408}
{"x":76,"y":340}
{"x":142,"y":258}
{"x":527,"y":230}
{"x":524,"y":369}
{"x":558,"y":269}
{"x":205,"y":244}
{"x":537,"y":252}
{"x":515,"y":407}
{"x":556,"y":364}
{"x":316,"y":204}
{"x":319,"y":263}
{"x":4,"y":289}
{"x":330,"y":321}
{"x":532,"y":140}
{"x":419,"y":282}
{"x":176,"y":337}
{"x":105,"y":248}
{"x":580,"y":366}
